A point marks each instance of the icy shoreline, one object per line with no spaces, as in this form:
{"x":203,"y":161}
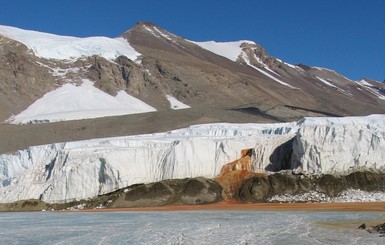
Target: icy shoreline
{"x":349,"y":195}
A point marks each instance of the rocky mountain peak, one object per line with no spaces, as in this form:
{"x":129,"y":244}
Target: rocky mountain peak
{"x":144,"y":23}
{"x":149,"y":28}
{"x":255,"y":55}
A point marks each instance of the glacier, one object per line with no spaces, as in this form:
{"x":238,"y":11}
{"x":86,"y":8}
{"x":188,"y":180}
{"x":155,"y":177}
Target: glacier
{"x":58,"y":47}
{"x":67,"y":171}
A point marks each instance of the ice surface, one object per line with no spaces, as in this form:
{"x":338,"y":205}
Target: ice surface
{"x":69,"y":48}
{"x":71,"y":102}
{"x":187,"y":227}
{"x":83,"y":169}
{"x":335,"y":145}
{"x":176,"y":104}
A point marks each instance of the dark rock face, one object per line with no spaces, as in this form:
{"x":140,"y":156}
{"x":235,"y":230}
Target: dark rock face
{"x":255,"y":189}
{"x":148,"y":195}
{"x":166,"y":192}
{"x":260,"y":189}
{"x":25,"y":205}
{"x":195,"y":191}
{"x":284,"y":184}
{"x":377,"y":229}
{"x":380,"y":229}
{"x":330,"y":185}
{"x":22,"y":79}
{"x":367,"y":181}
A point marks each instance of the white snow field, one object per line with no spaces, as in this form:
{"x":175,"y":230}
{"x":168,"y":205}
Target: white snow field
{"x":230,"y":50}
{"x":176,"y":104}
{"x":234,"y":51}
{"x":52,"y":46}
{"x":71,"y":102}
{"x":82,"y":169}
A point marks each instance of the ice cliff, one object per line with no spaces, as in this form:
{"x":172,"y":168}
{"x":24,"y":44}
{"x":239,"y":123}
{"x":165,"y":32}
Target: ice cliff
{"x":335,"y":145}
{"x":76,"y":170}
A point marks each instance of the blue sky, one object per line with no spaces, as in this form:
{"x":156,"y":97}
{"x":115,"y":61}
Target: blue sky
{"x":345,"y":35}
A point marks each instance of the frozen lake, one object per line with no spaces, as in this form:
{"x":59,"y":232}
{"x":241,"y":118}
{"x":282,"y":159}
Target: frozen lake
{"x":187,"y":227}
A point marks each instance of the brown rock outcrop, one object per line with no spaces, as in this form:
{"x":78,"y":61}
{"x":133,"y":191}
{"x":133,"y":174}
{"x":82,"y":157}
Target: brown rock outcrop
{"x":234,"y":174}
{"x":189,"y":191}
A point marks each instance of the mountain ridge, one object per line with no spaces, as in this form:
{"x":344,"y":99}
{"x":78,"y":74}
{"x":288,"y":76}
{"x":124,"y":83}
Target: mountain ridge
{"x":251,"y":87}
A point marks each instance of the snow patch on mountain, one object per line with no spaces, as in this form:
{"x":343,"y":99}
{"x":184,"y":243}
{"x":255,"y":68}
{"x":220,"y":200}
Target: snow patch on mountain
{"x":324,"y":81}
{"x":290,"y":65}
{"x":52,"y":46}
{"x":176,"y":104}
{"x":247,"y":60}
{"x":332,"y":71}
{"x":71,"y":102}
{"x":377,"y":92}
{"x":364,"y":83}
{"x":274,"y":78}
{"x":233,"y":50}
{"x":328,"y":83}
{"x":229,"y":50}
{"x":158,"y":32}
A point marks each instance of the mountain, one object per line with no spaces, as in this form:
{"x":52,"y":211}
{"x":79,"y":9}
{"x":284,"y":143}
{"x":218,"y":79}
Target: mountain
{"x":153,"y":65}
{"x":148,"y":70}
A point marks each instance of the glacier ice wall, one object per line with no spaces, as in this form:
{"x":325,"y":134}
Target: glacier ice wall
{"x":339,"y":145}
{"x":83,"y":169}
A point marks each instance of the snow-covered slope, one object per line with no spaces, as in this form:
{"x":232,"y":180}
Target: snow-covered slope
{"x":176,"y":104}
{"x":82,"y":169}
{"x":236,"y":52}
{"x":230,"y":50}
{"x":374,"y":90}
{"x":71,"y":102}
{"x":69,"y":48}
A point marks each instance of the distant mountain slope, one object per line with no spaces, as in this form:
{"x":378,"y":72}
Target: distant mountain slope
{"x":154,"y":65}
{"x":248,"y":76}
